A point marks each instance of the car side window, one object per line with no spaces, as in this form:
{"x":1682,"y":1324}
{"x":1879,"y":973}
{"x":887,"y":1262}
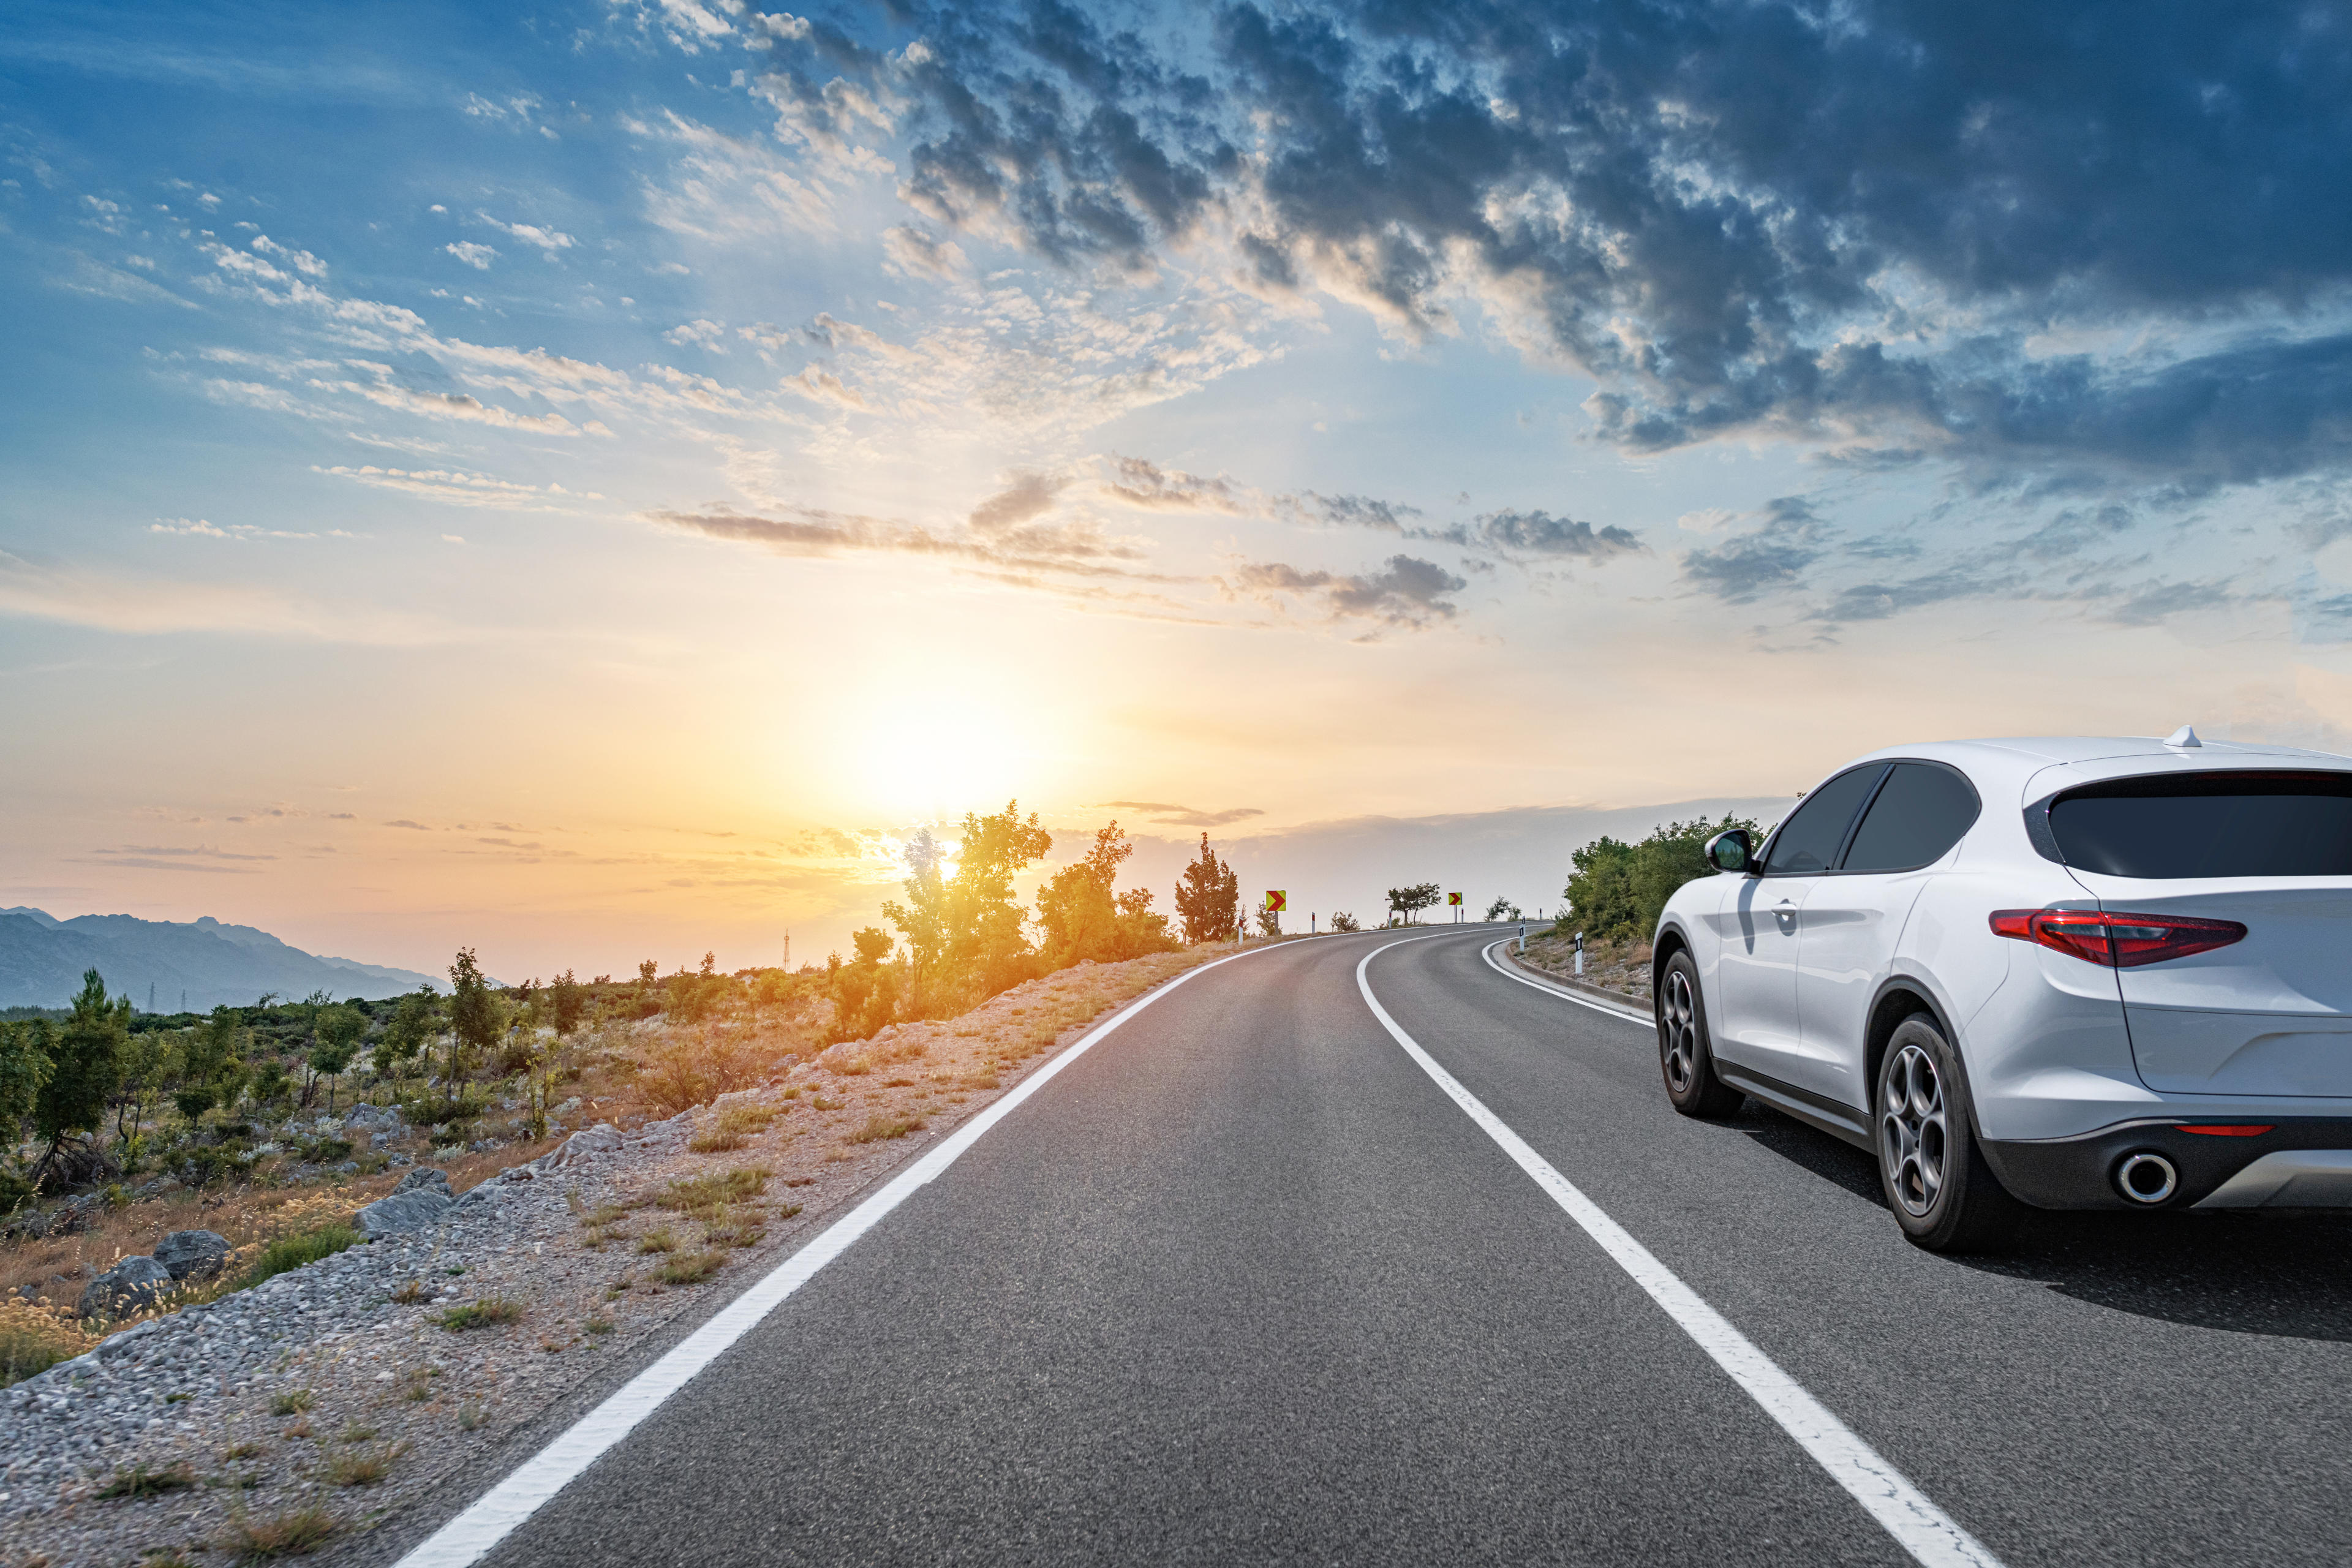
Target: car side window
{"x":1807,"y":843}
{"x":1920,"y":814}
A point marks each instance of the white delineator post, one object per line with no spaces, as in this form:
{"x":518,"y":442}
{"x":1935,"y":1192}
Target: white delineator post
{"x":1579,"y":954}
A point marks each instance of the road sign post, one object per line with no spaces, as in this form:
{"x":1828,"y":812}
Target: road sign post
{"x":1579,"y":954}
{"x":1454,"y":902}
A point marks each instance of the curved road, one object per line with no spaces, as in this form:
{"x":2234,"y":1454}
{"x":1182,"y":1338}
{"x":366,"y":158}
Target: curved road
{"x":1242,"y":1284}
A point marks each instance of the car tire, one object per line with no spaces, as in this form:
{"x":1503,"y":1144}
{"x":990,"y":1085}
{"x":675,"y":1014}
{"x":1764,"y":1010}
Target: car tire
{"x":1930,"y":1168}
{"x":1685,"y":1054}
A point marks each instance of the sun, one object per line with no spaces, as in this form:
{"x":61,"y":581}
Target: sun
{"x":936,"y":755}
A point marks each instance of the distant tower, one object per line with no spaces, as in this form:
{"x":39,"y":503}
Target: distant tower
{"x":151,"y":996}
{"x":788,"y":949}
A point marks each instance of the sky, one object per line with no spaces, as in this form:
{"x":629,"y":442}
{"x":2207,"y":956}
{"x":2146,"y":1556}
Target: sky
{"x":588,"y":481}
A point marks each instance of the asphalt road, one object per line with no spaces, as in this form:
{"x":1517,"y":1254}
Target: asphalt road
{"x":1243,"y":1285}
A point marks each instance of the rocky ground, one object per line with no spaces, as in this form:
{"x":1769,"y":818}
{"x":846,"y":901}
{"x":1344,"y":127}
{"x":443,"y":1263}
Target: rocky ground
{"x":297,"y":1414}
{"x":1619,"y":966}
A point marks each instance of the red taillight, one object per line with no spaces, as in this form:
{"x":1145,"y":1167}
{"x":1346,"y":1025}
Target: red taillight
{"x":2231,"y":1130}
{"x":2116,"y":941}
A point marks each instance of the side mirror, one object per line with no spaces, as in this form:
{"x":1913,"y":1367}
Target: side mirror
{"x":1731,"y":850}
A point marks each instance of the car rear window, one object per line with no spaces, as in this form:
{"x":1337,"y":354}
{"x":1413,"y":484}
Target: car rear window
{"x":2173,"y":826}
{"x":1920,"y":813}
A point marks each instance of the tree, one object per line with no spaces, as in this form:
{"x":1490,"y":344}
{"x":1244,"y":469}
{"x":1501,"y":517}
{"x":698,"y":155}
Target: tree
{"x":1617,"y":890}
{"x":1086,"y":919}
{"x":87,"y":1058}
{"x":206,"y":1063}
{"x":1343,"y":921}
{"x":147,"y":1056}
{"x":337,"y":1031}
{"x":1208,"y":897}
{"x":865,"y":992}
{"x":965,"y":930}
{"x":923,"y":917}
{"x":567,"y":1003}
{"x":1502,"y":908}
{"x":270,"y":1081}
{"x":1270,"y":924}
{"x":477,"y":1020}
{"x":645,"y":973}
{"x":415,"y":1019}
{"x":1410,"y":900}
{"x":28,"y":1058}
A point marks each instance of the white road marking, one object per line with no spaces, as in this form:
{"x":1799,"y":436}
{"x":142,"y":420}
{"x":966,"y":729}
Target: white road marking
{"x":468,"y":1537}
{"x":1627,"y":1013}
{"x":1917,"y":1525}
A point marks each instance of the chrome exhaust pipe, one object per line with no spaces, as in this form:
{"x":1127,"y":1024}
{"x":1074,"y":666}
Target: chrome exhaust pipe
{"x":2146,"y":1179}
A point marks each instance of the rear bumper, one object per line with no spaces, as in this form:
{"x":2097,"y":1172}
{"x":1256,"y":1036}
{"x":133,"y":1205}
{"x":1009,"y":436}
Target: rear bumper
{"x":2302,"y":1163}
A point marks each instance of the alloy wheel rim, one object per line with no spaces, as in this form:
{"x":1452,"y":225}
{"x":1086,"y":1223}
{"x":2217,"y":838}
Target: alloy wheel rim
{"x":1913,"y":1129}
{"x":1681,"y":1018}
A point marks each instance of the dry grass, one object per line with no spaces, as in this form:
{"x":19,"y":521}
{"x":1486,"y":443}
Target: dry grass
{"x":877,"y":1128}
{"x":35,"y":1337}
{"x":293,"y":1533}
{"x":680,"y":1068}
{"x":138,"y":1480}
{"x":690,"y":1267}
{"x":659,"y":1240}
{"x":488,"y":1312}
{"x":293,"y":1401}
{"x":363,"y":1467}
{"x":714,"y":1190}
{"x":729,"y":1229}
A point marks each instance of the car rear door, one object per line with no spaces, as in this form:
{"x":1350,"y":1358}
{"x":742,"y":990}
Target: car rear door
{"x":1855,"y":918}
{"x":2269,"y":1014}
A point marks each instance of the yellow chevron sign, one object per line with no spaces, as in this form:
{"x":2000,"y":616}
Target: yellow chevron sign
{"x":1277,"y":900}
{"x":1454,"y":900}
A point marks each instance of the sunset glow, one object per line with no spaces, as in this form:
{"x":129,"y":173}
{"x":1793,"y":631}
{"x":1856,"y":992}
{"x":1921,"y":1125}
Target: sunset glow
{"x":560,"y":493}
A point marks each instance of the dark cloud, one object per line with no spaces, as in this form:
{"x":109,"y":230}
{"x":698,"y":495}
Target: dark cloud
{"x":1890,"y":226}
{"x":1773,"y":556}
{"x":1350,"y":511}
{"x":1409,"y":593}
{"x":1540,"y":533}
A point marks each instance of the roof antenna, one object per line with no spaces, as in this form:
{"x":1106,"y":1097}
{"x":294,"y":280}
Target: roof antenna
{"x":2185,"y":738}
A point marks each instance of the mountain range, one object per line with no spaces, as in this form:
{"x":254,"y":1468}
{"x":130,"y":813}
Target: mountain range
{"x":166,"y":965}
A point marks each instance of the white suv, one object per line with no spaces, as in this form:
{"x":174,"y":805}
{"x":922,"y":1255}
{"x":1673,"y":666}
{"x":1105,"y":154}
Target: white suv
{"x":2084,"y":973}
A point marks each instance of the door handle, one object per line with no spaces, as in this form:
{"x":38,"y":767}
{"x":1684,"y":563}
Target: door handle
{"x":1785,"y":911}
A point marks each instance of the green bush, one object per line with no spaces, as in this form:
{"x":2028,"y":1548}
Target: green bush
{"x":290,"y":1252}
{"x":1617,"y":890}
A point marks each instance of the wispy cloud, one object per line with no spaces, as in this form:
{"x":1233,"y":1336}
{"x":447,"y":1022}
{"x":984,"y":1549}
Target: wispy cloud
{"x":1170,"y":815}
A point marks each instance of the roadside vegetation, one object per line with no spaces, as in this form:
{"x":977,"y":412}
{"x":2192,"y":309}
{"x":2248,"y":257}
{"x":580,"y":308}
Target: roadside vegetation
{"x":1617,"y":890}
{"x":272,"y":1124}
